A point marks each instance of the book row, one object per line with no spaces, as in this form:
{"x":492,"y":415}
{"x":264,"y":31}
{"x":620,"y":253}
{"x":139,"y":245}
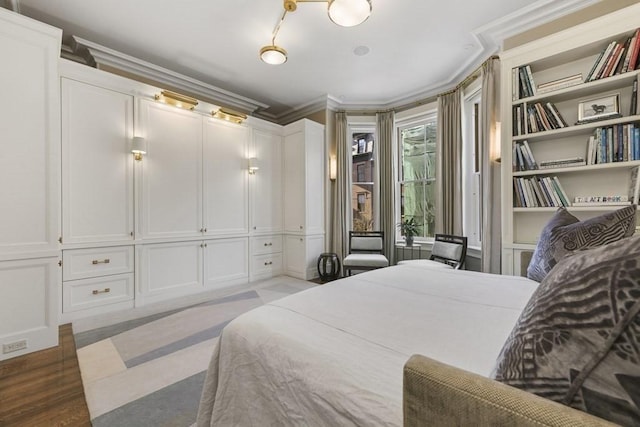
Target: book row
{"x":617,"y":143}
{"x":539,"y":192}
{"x":538,"y":117}
{"x":616,"y":58}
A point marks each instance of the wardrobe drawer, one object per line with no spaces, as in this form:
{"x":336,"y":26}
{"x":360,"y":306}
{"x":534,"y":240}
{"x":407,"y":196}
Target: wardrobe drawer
{"x":88,"y":293}
{"x":266,"y":244}
{"x":270,"y":264}
{"x":85,"y":263}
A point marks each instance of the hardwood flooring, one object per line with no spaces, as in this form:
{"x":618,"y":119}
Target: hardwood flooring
{"x":44,"y":388}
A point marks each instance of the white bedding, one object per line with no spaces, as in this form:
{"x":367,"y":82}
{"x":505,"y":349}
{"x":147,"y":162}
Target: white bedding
{"x":333,"y":355}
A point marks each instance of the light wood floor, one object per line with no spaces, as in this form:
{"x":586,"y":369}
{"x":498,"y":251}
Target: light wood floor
{"x":44,"y":388}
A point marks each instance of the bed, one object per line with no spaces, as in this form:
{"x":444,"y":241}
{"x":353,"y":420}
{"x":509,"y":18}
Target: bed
{"x":334,"y":355}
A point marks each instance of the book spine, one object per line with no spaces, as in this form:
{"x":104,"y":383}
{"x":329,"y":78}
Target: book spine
{"x":532,"y":83}
{"x":634,"y":185}
{"x":590,"y":150}
{"x":553,"y":192}
{"x":563,"y":196}
{"x":627,"y":57}
{"x":634,"y":55}
{"x":636,"y":142}
{"x":514,"y":85}
{"x":523,"y":82}
{"x":634,"y":98}
{"x":594,"y":66}
{"x":620,"y":62}
{"x":533,"y":164}
{"x":602,"y":62}
{"x":607,"y":66}
{"x":557,"y":115}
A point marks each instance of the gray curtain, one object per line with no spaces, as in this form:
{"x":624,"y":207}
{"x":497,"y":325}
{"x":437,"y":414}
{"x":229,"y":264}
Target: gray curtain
{"x":490,"y":168}
{"x":449,"y":164}
{"x":341,"y":200}
{"x":386,"y":163}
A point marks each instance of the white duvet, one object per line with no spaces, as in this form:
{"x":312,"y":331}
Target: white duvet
{"x":333,"y":355}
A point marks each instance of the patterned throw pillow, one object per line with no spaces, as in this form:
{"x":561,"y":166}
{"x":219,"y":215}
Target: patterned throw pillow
{"x":578,"y":339}
{"x":565,"y":233}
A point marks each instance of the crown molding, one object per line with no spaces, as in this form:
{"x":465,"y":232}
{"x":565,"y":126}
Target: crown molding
{"x":118,"y":60}
{"x":489,"y":42}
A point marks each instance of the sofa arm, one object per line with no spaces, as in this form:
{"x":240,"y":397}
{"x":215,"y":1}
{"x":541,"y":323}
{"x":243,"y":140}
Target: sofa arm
{"x":436,"y":394}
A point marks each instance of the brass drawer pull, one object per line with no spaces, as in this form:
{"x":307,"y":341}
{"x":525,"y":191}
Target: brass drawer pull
{"x":104,"y":261}
{"x":104,"y":291}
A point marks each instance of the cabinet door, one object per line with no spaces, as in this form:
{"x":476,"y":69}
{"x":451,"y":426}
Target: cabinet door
{"x":226,"y":262}
{"x":226,"y":195}
{"x":168,"y":270}
{"x":266,"y":184}
{"x":30,"y":135}
{"x":295,"y":256}
{"x":171,"y":172}
{"x":29,"y":304}
{"x":97,"y":165}
{"x":315,"y":174}
{"x":294,"y":183}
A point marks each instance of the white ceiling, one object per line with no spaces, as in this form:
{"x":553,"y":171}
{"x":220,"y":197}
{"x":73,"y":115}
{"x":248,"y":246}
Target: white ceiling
{"x":417,"y":48}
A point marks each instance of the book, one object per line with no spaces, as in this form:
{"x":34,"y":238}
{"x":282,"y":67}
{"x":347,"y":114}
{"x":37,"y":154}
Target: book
{"x":594,"y":66}
{"x":634,"y":54}
{"x":553,"y":83}
{"x":633,"y":110}
{"x":629,"y":53}
{"x":591,"y":160}
{"x":601,"y":203}
{"x":634,"y":185}
{"x":557,"y":115}
{"x":563,"y":196}
{"x":552,"y":191}
{"x":562,"y":165}
{"x":528,"y":154}
{"x":612,"y":62}
{"x":531,"y":83}
{"x":602,"y":62}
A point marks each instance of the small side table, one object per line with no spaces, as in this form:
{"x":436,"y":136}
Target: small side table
{"x":415,"y":251}
{"x":328,"y":266}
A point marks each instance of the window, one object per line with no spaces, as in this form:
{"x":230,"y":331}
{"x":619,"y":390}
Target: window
{"x":363,"y":172}
{"x":417,"y":174}
{"x":471,"y":193}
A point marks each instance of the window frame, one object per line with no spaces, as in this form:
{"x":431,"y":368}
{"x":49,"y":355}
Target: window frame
{"x":471,"y":158}
{"x":364,"y":124}
{"x":409,"y":122}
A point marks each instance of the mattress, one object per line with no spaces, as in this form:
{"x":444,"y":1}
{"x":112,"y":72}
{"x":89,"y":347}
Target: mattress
{"x":333,"y":355}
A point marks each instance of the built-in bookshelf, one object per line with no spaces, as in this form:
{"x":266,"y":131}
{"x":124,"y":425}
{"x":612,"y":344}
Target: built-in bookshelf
{"x":570,"y":127}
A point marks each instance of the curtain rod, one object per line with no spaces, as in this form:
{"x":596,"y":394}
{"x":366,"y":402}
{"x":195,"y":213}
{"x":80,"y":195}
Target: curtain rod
{"x":464,"y":83}
{"x":470,"y":78}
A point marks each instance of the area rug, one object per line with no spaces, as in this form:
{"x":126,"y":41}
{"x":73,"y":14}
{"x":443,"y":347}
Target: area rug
{"x":150,"y":371}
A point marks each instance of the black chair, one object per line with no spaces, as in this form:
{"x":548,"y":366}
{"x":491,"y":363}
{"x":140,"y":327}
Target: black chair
{"x":366,"y":251}
{"x":450,"y":250}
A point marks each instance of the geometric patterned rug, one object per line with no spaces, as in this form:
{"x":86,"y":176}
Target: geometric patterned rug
{"x":150,"y":371}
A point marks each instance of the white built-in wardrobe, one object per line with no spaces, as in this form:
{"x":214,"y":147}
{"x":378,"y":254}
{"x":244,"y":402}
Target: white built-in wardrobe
{"x":87,"y":229}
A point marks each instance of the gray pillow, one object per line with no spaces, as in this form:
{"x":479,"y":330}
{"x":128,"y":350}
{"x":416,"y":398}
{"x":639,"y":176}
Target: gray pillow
{"x":565,"y":233}
{"x":577,"y":340}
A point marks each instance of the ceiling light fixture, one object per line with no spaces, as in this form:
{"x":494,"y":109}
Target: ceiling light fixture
{"x":346,"y":13}
{"x":229,"y":115}
{"x":177,"y":100}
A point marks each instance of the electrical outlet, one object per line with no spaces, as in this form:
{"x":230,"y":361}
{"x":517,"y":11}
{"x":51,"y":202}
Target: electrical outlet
{"x":14,"y":346}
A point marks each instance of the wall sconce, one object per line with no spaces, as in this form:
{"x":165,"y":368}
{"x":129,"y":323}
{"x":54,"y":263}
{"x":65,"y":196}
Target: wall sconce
{"x":138,"y":147}
{"x":177,"y":100}
{"x":333,"y":168}
{"x":253,"y":166}
{"x":495,"y":149}
{"x":229,"y":115}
